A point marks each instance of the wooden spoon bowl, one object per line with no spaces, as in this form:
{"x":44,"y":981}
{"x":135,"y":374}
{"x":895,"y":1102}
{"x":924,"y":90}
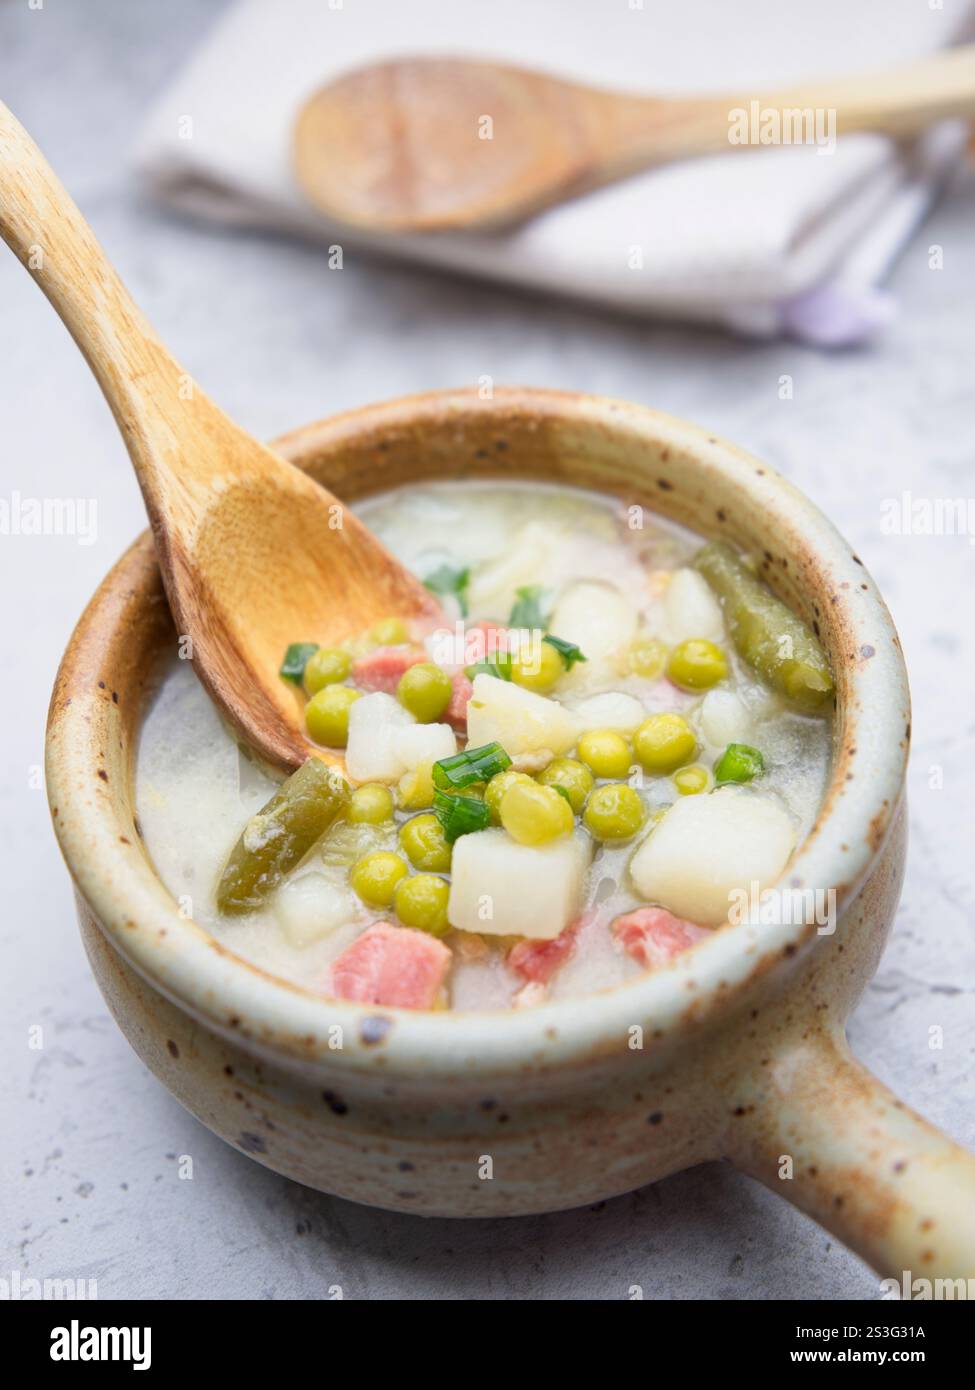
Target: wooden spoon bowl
{"x":253,"y":554}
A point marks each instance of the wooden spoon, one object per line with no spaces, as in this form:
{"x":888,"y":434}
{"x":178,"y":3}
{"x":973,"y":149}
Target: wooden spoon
{"x":426,"y":144}
{"x":254,"y":555}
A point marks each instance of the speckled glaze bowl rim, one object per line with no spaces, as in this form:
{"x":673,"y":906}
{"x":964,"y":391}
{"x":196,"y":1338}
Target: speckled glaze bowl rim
{"x":239,"y":1000}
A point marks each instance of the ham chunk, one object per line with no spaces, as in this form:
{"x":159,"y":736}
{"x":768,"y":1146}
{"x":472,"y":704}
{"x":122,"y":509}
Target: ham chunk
{"x":382,"y":668}
{"x":538,"y":960}
{"x":456,"y":711}
{"x":653,"y":936}
{"x":390,"y":965}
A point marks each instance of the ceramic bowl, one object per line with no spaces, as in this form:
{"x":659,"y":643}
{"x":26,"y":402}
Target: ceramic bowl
{"x":737,"y":1050}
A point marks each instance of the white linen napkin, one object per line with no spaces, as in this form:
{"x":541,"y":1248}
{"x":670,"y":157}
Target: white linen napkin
{"x":767,"y":241}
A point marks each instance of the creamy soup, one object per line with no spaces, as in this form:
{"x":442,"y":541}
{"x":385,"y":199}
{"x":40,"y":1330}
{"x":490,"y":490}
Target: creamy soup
{"x":615,"y":736}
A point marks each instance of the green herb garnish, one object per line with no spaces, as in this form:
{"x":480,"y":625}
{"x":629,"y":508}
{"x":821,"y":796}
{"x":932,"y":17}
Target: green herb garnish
{"x":499,"y":665}
{"x":295,"y":661}
{"x":449,"y":581}
{"x":460,"y":815}
{"x":526,"y":611}
{"x":568,"y":651}
{"x":473,"y":765}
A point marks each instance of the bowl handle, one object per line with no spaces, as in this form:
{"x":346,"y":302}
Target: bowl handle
{"x":822,"y":1131}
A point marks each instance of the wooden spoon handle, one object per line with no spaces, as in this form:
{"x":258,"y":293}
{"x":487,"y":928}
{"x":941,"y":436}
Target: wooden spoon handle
{"x":149,"y":393}
{"x":901,"y":103}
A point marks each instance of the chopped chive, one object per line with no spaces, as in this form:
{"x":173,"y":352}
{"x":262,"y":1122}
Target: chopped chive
{"x":568,"y":651}
{"x":738,"y":763}
{"x":563,"y":791}
{"x":449,"y":581}
{"x":460,"y":815}
{"x":499,"y":666}
{"x":527,"y":608}
{"x":295,"y":661}
{"x":473,"y":765}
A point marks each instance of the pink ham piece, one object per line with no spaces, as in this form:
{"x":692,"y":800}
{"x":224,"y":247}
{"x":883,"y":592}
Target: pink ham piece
{"x":456,"y":712}
{"x":653,"y":936}
{"x":382,"y":668}
{"x":390,"y":965}
{"x":539,"y":960}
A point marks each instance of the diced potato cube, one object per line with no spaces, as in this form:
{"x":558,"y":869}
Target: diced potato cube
{"x":707,"y":847}
{"x":595,"y":676}
{"x":521,"y":721}
{"x":722,"y":719}
{"x":614,"y":710}
{"x":424,"y":743}
{"x":596,"y":617}
{"x":690,"y":609}
{"x":375,"y":722}
{"x":500,"y":888}
{"x":310,"y":907}
{"x":385,"y":741}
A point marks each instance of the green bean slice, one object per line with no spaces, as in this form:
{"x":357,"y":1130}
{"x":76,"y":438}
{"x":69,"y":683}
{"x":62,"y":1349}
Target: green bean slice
{"x":279,"y":836}
{"x":767,"y":635}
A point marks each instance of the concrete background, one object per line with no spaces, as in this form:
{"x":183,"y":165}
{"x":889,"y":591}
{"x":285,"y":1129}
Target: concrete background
{"x":89,"y":1139}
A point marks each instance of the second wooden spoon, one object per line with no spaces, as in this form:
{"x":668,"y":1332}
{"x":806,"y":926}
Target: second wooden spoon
{"x":430,"y":144}
{"x":254,"y":555}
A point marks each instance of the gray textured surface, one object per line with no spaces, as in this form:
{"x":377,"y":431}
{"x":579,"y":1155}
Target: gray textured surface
{"x":89,"y":1139}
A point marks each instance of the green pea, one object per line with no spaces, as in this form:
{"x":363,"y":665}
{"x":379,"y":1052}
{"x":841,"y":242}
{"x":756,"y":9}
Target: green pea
{"x":421,"y":902}
{"x":327,"y":666}
{"x":327,"y":715}
{"x":573,"y":777}
{"x":605,"y":752}
{"x":648,"y":657}
{"x":371,"y":804}
{"x":613,"y":812}
{"x":539,"y":669}
{"x":663,"y":742}
{"x":424,"y":843}
{"x":389,"y":632}
{"x":425,"y":691}
{"x":415,"y":789}
{"x":496,"y":788}
{"x":375,"y":877}
{"x":689,"y":781}
{"x":697,"y":664}
{"x":739,"y":763}
{"x":534,"y":815}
